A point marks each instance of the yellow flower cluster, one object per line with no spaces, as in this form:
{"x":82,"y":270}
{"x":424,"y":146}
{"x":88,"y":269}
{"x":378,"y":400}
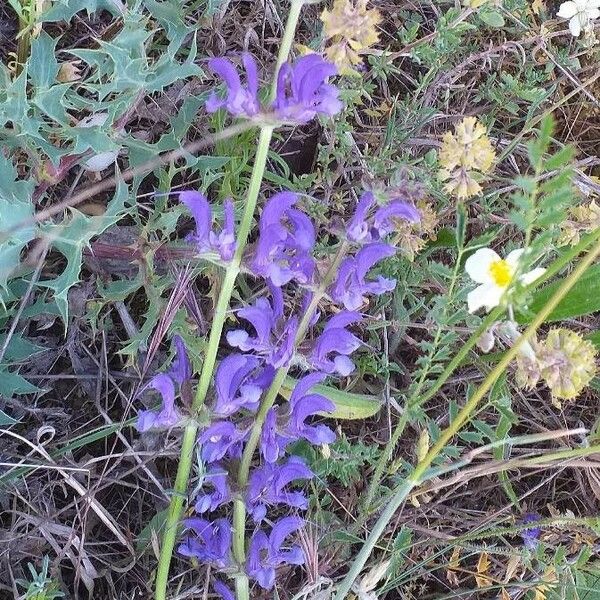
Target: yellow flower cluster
{"x":350,"y":28}
{"x":564,"y":361}
{"x":413,"y":237}
{"x":583,"y":219}
{"x":466,"y":155}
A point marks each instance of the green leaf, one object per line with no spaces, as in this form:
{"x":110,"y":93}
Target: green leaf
{"x":492,"y":18}
{"x":19,"y":348}
{"x":347,"y":404}
{"x":6,"y":420}
{"x":43,"y":67}
{"x":153,"y":529}
{"x":582,"y":299}
{"x":13,"y":383}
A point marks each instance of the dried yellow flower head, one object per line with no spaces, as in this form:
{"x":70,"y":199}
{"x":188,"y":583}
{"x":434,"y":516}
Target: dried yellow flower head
{"x":582,"y":219}
{"x":465,"y":156}
{"x":567,"y":363}
{"x":351,"y":28}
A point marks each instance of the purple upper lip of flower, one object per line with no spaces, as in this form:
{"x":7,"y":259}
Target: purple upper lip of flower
{"x":210,"y":543}
{"x":235,"y":386}
{"x":239,"y":100}
{"x":303,"y":404}
{"x":274,"y":338}
{"x":286,"y":240}
{"x":362,"y":229}
{"x":221,"y":439}
{"x":302,"y":92}
{"x":267,"y":485}
{"x":164,"y":383}
{"x":204,"y":237}
{"x":266,"y":552}
{"x":351,"y":287}
{"x":217,"y":478}
{"x":336,"y":340}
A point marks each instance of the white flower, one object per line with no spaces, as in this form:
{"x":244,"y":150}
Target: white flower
{"x":495,"y":275}
{"x":580,"y":13}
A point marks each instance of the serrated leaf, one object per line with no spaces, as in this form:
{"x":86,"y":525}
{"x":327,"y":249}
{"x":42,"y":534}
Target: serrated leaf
{"x":64,"y":11}
{"x":43,"y":67}
{"x":347,"y":404}
{"x":19,"y":348}
{"x":12,"y":383}
{"x":582,"y":299}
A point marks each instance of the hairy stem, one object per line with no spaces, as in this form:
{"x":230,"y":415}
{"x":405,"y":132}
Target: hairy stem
{"x":419,"y":473}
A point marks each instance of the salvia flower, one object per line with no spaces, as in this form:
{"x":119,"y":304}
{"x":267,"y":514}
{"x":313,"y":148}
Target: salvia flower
{"x":267,"y":552}
{"x":495,"y":275}
{"x":237,"y":385}
{"x":279,"y":431}
{"x":386,"y":220}
{"x":239,"y":100}
{"x":210,"y":542}
{"x":531,"y":535}
{"x":204,"y":237}
{"x":217,"y":478}
{"x":164,"y":383}
{"x":304,"y":404}
{"x":286,"y":240}
{"x":302,"y":91}
{"x":274,"y":339}
{"x":268,"y":485}
{"x":333,"y":347}
{"x":168,"y":416}
{"x":351,"y":287}
{"x":221,"y":439}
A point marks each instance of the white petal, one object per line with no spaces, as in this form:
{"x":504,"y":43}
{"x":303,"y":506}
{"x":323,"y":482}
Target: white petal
{"x":477,"y":265}
{"x":575,"y":26}
{"x":593,"y":13}
{"x":593,"y":4}
{"x":485,"y":296}
{"x":513,"y":257}
{"x":567,"y":10}
{"x":534,"y":274}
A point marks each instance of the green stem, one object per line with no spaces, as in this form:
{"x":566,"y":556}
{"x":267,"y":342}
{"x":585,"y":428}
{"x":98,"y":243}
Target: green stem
{"x":419,"y":472}
{"x":388,"y":452}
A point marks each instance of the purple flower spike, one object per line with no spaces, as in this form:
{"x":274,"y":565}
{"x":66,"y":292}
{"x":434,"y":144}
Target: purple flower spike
{"x":287,"y":238}
{"x":239,"y":100}
{"x":205,"y":238}
{"x":267,"y":486}
{"x":266,"y":552}
{"x":217,"y":478}
{"x":303,"y":405}
{"x":334,"y":346}
{"x":168,"y":416}
{"x":302,"y":92}
{"x":181,"y":369}
{"x":221,"y":439}
{"x":235,"y":388}
{"x":222,"y":590}
{"x":274,"y":339}
{"x":531,"y":535}
{"x":385,"y":217}
{"x":351,"y":287}
{"x":211,"y":542}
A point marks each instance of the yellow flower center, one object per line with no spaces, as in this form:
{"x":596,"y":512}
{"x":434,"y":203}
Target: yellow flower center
{"x":501,"y":273}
